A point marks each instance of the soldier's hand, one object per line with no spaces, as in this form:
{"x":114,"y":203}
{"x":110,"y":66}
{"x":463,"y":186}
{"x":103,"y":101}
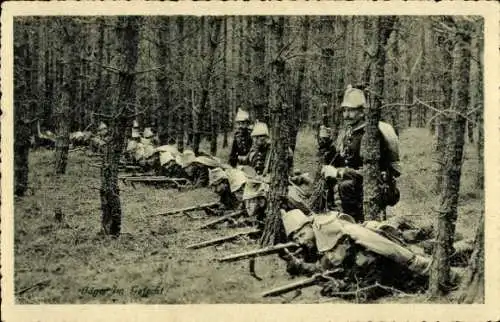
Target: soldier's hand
{"x":328,"y":171}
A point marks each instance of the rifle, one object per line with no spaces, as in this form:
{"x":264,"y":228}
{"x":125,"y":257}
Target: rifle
{"x":221,"y":240}
{"x":257,"y":252}
{"x":222,"y":219}
{"x":189,"y":209}
{"x":306,"y":282}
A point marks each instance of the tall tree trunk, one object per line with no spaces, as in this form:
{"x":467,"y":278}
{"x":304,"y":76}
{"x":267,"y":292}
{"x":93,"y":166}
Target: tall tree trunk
{"x":273,"y":227}
{"x":181,"y":111}
{"x":441,"y":121}
{"x":299,"y":99}
{"x":370,"y":144}
{"x":225,"y":89}
{"x":128,"y":41}
{"x":479,"y":103}
{"x":472,"y":290}
{"x":164,"y":54}
{"x":214,"y":32}
{"x":447,"y":215}
{"x":68,"y":94}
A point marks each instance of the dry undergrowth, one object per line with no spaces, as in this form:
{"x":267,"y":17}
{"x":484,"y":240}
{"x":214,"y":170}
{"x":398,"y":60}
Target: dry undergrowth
{"x":70,"y":262}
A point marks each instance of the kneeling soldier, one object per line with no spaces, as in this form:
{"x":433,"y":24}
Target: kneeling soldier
{"x":346,"y":165}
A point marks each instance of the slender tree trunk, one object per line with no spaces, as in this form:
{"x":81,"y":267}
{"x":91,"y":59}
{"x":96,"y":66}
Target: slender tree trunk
{"x":164,"y":54}
{"x":180,"y":116}
{"x":68,"y":94}
{"x":128,"y":38}
{"x":225,"y":89}
{"x":442,"y":121}
{"x":370,"y":144}
{"x":273,"y":228}
{"x":479,"y":114}
{"x":299,"y":100}
{"x":447,"y":215}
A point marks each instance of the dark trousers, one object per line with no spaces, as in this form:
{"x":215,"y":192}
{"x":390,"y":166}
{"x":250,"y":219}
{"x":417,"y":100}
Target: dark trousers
{"x":351,"y":198}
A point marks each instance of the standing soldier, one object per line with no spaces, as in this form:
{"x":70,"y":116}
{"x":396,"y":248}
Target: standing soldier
{"x":347,"y":162}
{"x":242,"y":141}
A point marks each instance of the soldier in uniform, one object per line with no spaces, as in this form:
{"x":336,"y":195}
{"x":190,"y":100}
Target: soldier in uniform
{"x":99,"y":141}
{"x":200,"y":170}
{"x":228,"y":186}
{"x":260,"y":153}
{"x":242,"y":141}
{"x":359,"y":256}
{"x":347,"y":162}
{"x":132,"y":143}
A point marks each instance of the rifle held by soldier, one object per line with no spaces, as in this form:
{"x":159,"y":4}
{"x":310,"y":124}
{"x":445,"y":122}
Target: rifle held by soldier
{"x":222,"y":219}
{"x":306,"y":282}
{"x":190,"y":209}
{"x":221,"y":240}
{"x":258,"y":252}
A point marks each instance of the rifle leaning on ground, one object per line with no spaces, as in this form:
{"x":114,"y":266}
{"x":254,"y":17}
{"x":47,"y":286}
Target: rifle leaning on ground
{"x":190,"y":209}
{"x":221,"y":219}
{"x":258,"y":252}
{"x":224,"y":239}
{"x":306,"y":282}
{"x":178,"y":183}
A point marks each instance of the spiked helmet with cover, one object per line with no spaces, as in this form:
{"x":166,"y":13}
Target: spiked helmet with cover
{"x":186,"y":159}
{"x":354,"y":98}
{"x":255,"y":188}
{"x":294,"y":220}
{"x":242,"y":116}
{"x":237,"y":179}
{"x":166,"y":157}
{"x":216,"y":175}
{"x":207,"y":161}
{"x":148,"y":133}
{"x":259,"y":129}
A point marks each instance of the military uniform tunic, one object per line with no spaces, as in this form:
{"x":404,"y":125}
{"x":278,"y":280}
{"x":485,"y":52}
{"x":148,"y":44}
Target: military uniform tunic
{"x":241,"y":145}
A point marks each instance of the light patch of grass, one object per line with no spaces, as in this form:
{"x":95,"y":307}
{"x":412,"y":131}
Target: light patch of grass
{"x":151,"y":251}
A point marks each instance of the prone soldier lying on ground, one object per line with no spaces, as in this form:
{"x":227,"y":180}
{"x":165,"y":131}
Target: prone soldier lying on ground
{"x":360,"y":257}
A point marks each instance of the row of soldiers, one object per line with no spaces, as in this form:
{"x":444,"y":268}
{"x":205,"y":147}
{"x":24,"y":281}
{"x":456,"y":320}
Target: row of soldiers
{"x":347,"y":252}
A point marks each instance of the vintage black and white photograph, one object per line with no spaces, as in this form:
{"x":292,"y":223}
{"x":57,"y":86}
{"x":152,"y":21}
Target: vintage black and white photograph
{"x":239,"y":159}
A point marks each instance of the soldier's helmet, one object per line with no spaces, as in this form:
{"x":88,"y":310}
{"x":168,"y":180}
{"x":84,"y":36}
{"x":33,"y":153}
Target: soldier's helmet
{"x":260,"y":129}
{"x":166,"y":157}
{"x":135,"y":133}
{"x":242,"y":116}
{"x":102,"y":126}
{"x":187,"y":158}
{"x":255,"y":188}
{"x":207,"y":161}
{"x":148,"y":133}
{"x":354,"y":98}
{"x":135,"y":125}
{"x":216,"y":175}
{"x":294,"y":220}
{"x":237,"y":179}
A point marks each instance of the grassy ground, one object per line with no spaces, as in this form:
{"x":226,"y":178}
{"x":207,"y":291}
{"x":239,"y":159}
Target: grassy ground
{"x":149,"y":262}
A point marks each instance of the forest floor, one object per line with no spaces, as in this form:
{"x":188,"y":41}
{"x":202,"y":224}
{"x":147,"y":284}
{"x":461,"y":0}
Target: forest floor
{"x":148,"y":263}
